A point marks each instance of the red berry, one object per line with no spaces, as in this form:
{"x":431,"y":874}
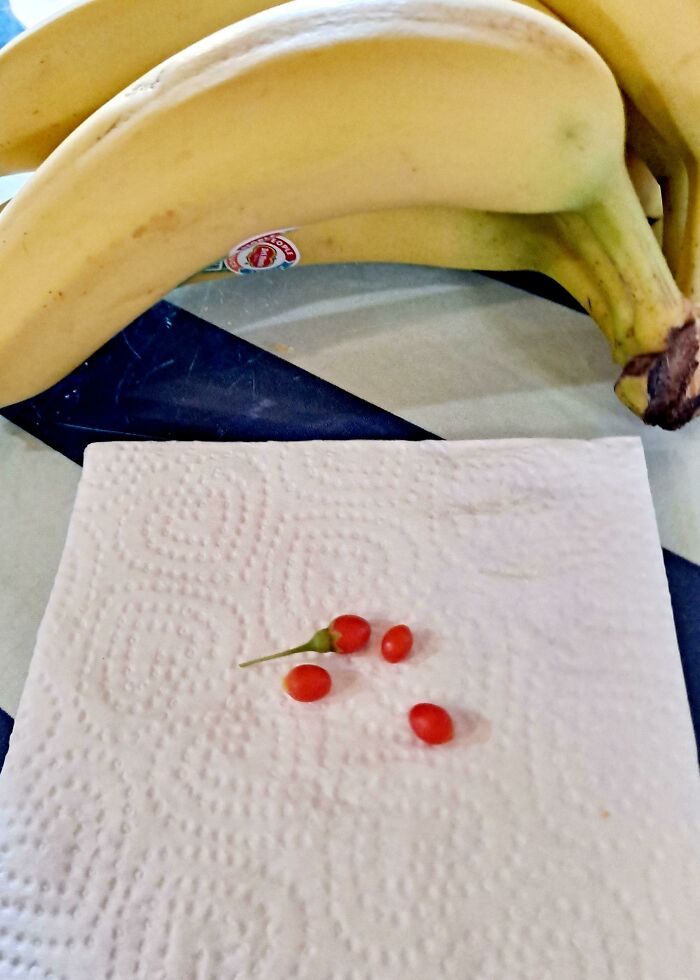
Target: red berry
{"x":307,"y":682}
{"x":397,"y":643}
{"x":346,"y":634}
{"x":349,"y":633}
{"x":431,"y":723}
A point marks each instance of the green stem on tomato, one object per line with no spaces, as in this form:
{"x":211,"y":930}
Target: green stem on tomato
{"x":320,"y":642}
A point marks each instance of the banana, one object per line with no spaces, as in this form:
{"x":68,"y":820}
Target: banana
{"x":670,"y":173}
{"x":648,"y":191}
{"x":652,"y":47}
{"x":445,"y":237}
{"x":58,"y":73}
{"x":459,"y":238}
{"x":55,"y":75}
{"x":311,"y":111}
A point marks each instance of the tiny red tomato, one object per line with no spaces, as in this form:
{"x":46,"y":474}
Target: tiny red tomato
{"x":307,"y":682}
{"x":346,"y":634}
{"x":349,"y":633}
{"x":431,"y":723}
{"x":397,"y":643}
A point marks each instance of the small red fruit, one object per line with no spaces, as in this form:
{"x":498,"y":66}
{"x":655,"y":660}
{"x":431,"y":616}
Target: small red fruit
{"x":307,"y":682}
{"x":431,"y":723}
{"x":349,"y":633}
{"x":397,"y":643}
{"x":346,"y":634}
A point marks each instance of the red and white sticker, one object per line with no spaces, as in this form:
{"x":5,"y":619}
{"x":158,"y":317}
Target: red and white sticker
{"x":270,"y":251}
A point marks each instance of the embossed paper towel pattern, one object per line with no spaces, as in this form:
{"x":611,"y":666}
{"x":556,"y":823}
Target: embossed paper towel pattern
{"x":165,"y":815}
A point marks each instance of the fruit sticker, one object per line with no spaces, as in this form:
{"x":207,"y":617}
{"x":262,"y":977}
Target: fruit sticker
{"x":270,"y":251}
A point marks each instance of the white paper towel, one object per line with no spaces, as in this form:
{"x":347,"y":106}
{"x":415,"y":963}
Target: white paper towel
{"x":164,"y":814}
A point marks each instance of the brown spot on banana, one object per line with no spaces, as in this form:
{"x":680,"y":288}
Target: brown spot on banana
{"x":167,"y":221}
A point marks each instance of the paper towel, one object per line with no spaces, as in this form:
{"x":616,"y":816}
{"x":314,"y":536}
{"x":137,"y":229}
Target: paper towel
{"x":164,"y":814}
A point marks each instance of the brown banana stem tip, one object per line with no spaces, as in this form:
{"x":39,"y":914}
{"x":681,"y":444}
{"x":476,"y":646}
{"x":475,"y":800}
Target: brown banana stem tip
{"x":672,"y":379}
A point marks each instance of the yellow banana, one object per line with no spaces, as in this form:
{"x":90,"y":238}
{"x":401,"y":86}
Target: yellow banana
{"x":652,"y":47}
{"x":670,"y":173}
{"x":665,"y":178}
{"x":56,"y":74}
{"x":445,"y":237}
{"x":648,"y":191}
{"x":308,"y":112}
{"x":645,"y":184}
{"x":459,"y":238}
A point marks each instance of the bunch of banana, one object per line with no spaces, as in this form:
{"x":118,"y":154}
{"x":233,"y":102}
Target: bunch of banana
{"x":470,"y":133}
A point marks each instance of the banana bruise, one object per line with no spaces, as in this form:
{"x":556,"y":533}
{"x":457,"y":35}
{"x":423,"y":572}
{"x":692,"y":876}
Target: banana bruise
{"x":308,"y":112}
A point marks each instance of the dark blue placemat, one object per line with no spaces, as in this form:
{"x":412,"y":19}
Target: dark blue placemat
{"x":684,"y":586}
{"x":5,"y":732}
{"x":170,"y":375}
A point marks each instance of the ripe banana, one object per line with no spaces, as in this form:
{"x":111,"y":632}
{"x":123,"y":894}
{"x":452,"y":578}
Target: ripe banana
{"x":459,"y":238}
{"x":445,"y":237}
{"x":652,"y":47}
{"x":648,"y":191}
{"x":58,"y":73}
{"x":404,"y":103}
{"x":55,"y":75}
{"x":670,"y":173}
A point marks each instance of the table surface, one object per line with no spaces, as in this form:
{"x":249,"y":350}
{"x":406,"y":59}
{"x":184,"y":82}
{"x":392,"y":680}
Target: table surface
{"x":336,"y":352}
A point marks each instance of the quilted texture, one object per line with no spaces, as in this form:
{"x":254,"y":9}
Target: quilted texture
{"x":165,"y":815}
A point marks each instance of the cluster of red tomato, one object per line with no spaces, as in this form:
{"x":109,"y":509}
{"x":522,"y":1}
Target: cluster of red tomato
{"x":349,"y":634}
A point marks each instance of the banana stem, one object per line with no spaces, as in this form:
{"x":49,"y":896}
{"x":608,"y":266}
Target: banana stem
{"x":644,"y":303}
{"x":578,"y":277}
{"x":653,"y":328}
{"x":615,"y":305}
